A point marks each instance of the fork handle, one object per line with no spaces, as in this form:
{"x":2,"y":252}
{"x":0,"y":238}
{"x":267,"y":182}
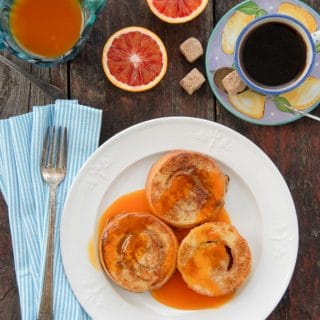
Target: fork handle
{"x":46,"y":302}
{"x":46,"y":87}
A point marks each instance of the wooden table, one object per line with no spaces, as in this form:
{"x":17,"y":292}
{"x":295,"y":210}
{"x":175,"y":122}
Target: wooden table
{"x":294,"y":148}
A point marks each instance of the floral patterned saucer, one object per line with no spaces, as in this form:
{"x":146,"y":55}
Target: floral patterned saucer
{"x":249,"y":105}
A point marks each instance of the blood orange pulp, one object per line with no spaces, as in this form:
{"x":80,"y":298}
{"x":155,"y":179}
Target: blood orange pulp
{"x":177,"y":11}
{"x":134,"y":59}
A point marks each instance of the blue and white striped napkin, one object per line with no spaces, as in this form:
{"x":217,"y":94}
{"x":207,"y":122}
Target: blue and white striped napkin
{"x":27,"y":196}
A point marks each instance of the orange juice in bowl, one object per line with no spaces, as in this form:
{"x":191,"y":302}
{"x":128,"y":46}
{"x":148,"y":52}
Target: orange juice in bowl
{"x":46,"y":32}
{"x":46,"y":28}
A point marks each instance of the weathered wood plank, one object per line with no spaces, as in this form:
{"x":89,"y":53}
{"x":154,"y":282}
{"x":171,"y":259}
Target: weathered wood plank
{"x":122,"y":109}
{"x":14,"y":100}
{"x":57,"y":75}
{"x":17,"y":96}
{"x":293,"y":148}
{"x":14,"y":90}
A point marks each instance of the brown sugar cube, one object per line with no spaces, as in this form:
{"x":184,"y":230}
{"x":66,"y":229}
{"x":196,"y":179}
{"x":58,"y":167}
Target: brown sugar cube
{"x":192,"y":81}
{"x":233,"y":83}
{"x":191,"y":49}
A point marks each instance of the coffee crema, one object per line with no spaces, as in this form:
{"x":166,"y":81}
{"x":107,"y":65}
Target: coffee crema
{"x":273,"y":54}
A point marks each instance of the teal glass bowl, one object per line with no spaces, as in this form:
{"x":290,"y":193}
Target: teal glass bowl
{"x":90,"y":10}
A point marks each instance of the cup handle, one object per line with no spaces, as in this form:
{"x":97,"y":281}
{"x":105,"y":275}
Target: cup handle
{"x":316,"y":40}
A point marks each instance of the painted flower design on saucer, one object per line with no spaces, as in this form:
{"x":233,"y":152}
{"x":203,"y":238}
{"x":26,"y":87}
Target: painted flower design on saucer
{"x":250,"y":105}
{"x":300,"y":14}
{"x":306,"y":95}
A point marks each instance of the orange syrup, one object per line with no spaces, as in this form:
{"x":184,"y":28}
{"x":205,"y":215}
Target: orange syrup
{"x":175,"y":293}
{"x":46,"y":28}
{"x":92,"y":254}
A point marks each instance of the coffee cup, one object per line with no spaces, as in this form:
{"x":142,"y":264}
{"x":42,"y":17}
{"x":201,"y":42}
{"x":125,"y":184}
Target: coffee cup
{"x":275,"y":54}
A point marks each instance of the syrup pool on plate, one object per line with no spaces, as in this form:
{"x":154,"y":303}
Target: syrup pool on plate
{"x":46,"y":28}
{"x":175,"y":293}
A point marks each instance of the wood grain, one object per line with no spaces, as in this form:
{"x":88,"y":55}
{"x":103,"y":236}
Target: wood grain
{"x":17,"y":96}
{"x":122,"y":109}
{"x":14,"y":90}
{"x":294,"y":148}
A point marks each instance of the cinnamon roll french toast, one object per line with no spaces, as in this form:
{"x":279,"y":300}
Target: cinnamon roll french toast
{"x":138,"y":251}
{"x":214,"y":259}
{"x":185,"y":188}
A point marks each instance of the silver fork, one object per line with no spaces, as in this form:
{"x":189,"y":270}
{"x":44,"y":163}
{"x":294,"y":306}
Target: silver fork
{"x":53,"y":171}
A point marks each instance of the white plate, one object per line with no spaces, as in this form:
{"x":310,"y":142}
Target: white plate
{"x":258,"y":201}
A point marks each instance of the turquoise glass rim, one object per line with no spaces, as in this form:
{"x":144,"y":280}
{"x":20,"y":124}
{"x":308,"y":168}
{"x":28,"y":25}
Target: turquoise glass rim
{"x":90,"y":11}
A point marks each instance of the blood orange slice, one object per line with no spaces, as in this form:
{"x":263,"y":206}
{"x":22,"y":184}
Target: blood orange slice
{"x":134,"y":59}
{"x":177,"y":11}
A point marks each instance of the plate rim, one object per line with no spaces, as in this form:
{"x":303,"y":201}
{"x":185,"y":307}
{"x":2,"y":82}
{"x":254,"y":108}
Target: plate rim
{"x":214,"y":125}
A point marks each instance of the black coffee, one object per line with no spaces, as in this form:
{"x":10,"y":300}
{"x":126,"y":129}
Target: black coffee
{"x":273,"y":54}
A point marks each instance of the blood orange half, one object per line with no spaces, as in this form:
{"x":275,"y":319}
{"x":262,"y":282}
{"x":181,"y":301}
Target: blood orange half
{"x":134,"y":59}
{"x":177,"y":11}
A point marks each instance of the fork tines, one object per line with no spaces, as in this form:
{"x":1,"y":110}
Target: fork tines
{"x":54,"y":151}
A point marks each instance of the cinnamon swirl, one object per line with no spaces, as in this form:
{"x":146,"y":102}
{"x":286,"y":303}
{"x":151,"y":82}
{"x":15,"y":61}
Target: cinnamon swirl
{"x":185,"y":188}
{"x":138,"y":251}
{"x":214,"y":259}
